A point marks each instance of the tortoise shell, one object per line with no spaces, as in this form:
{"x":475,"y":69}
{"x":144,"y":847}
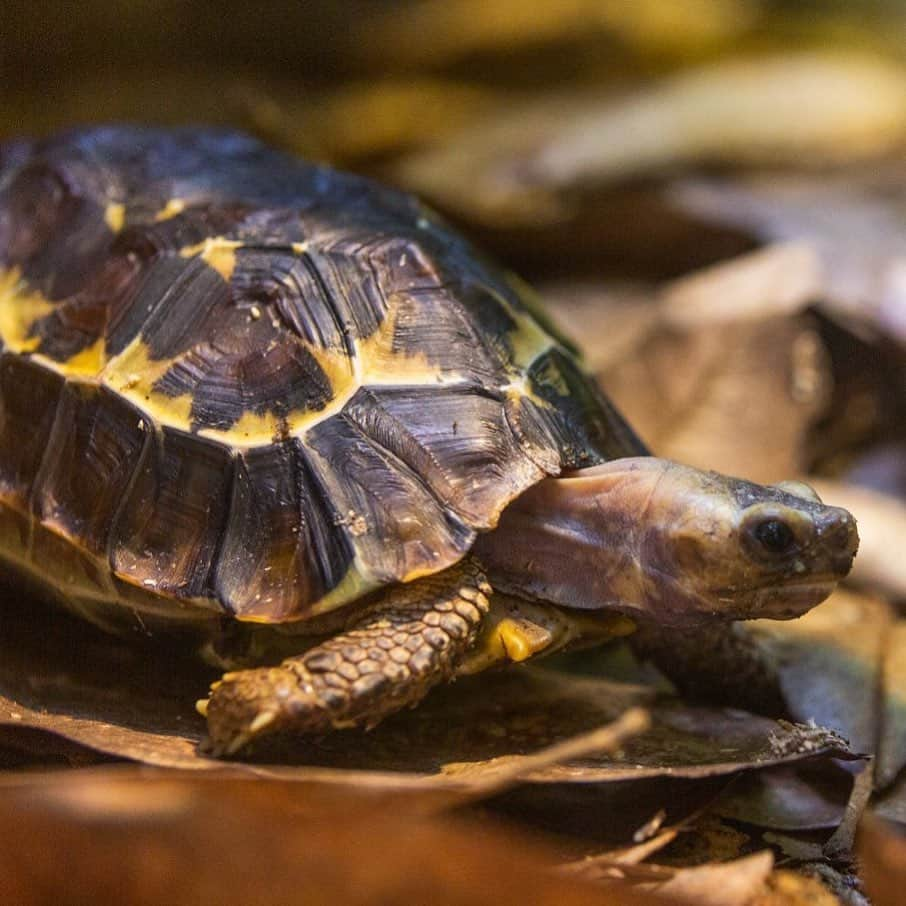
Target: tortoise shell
{"x":235,"y":381}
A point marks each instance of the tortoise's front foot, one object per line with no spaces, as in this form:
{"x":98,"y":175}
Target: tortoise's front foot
{"x":409,"y":641}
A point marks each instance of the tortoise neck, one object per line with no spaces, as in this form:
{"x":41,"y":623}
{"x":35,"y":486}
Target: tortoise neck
{"x":575,"y":541}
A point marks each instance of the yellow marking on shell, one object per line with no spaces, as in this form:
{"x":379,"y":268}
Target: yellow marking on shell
{"x":374,"y":364}
{"x":354,"y":585}
{"x":528,"y":338}
{"x":252,"y":428}
{"x":381,"y":365}
{"x":300,"y":248}
{"x":133,"y":374}
{"x":87,"y":363}
{"x":173,"y":207}
{"x":115,"y":216}
{"x":20,"y":309}
{"x":217,"y":252}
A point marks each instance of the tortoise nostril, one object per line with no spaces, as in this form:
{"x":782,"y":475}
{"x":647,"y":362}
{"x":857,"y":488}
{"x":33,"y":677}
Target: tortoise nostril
{"x":843,"y":535}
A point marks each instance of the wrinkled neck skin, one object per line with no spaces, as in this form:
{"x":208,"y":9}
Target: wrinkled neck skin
{"x":576,"y":541}
{"x":665,"y":542}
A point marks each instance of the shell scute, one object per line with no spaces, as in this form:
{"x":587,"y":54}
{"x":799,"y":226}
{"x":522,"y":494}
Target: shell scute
{"x":93,"y":452}
{"x":280,"y":549}
{"x":166,"y":533}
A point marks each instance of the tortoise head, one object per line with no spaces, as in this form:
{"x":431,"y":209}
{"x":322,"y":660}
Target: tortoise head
{"x":723,"y":546}
{"x":671,"y":543}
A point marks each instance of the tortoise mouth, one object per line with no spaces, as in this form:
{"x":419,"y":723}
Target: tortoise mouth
{"x":780,"y":600}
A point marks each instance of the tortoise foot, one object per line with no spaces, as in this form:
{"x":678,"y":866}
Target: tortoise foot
{"x":411,"y":640}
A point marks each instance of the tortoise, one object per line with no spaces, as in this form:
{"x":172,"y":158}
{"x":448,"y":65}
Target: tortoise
{"x":288,"y":413}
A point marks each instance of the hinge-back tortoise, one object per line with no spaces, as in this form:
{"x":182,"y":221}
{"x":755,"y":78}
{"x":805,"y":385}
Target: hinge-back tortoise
{"x":238,"y":391}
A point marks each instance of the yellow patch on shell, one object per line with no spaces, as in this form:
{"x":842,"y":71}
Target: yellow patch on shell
{"x":252,"y":428}
{"x":115,"y":216}
{"x":20,"y":309}
{"x":528,"y":339}
{"x":87,"y":363}
{"x":217,"y":252}
{"x":133,"y":374}
{"x":173,"y":207}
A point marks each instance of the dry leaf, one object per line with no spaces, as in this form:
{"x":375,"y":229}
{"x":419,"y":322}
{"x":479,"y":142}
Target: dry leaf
{"x":829,"y":663}
{"x":778,"y":280}
{"x":722,"y":884}
{"x":689,"y":393}
{"x":788,"y":888}
{"x":69,"y":680}
{"x":141,"y":837}
{"x":361,"y":119}
{"x":882,"y":852}
{"x":808,"y":797}
{"x":892,"y":743}
{"x":852,"y":219}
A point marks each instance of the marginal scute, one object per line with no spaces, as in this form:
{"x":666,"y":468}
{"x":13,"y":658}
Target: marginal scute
{"x":566,"y":413}
{"x":93,"y":453}
{"x":280,"y":550}
{"x":29,"y":396}
{"x":167,"y":530}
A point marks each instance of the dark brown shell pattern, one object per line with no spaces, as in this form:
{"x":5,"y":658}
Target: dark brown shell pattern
{"x":235,"y":381}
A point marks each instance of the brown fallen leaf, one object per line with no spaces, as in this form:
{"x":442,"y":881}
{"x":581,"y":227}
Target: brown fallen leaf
{"x":789,"y":888}
{"x":738,"y":395}
{"x":852,"y":220}
{"x":363,"y":119}
{"x":829,"y":662}
{"x":892,"y":743}
{"x":776,"y":281}
{"x":735,"y":883}
{"x":145,"y":837}
{"x":607,"y":864}
{"x":796,"y":798}
{"x":68,"y":680}
{"x":882,"y":852}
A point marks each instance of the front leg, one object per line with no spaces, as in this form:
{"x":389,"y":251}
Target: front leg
{"x":719,"y":663}
{"x":388,"y":658}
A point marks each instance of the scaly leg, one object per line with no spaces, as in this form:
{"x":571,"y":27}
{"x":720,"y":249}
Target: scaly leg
{"x":409,"y":641}
{"x":721,"y":663}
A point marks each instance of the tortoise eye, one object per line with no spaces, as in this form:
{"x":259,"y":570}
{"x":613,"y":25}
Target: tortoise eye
{"x":775,"y":536}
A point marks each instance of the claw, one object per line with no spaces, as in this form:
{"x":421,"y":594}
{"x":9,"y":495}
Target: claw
{"x":262,"y":720}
